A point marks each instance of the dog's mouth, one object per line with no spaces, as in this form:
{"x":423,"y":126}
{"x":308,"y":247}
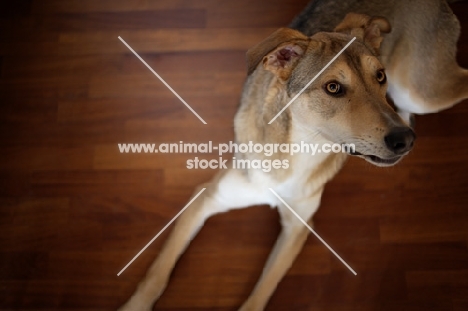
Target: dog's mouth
{"x":378,"y":160}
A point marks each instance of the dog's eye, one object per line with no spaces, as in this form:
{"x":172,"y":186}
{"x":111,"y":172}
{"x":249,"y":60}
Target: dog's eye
{"x":334,"y":88}
{"x":381,"y":77}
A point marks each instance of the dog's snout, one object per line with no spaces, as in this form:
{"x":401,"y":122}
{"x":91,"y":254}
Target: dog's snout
{"x":400,"y":140}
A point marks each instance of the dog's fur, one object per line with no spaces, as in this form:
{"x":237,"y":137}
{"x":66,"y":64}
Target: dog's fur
{"x":418,"y":54}
{"x":415,"y":40}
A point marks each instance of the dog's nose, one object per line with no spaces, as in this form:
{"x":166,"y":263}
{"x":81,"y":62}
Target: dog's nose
{"x":400,"y":140}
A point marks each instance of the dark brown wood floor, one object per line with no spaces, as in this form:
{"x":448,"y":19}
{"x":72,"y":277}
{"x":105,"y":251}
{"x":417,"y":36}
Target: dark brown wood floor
{"x":74,"y":211}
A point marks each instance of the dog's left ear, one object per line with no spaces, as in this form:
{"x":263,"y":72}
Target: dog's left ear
{"x":366,"y":28}
{"x":279,"y":52}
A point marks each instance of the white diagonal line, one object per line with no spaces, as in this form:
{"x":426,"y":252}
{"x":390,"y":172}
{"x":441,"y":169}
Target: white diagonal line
{"x":312,"y":230}
{"x":313,"y":79}
{"x":162,"y":80}
{"x":160,"y":232}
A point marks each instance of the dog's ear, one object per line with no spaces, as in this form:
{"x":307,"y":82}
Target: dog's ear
{"x":279,"y":52}
{"x":365,"y":28}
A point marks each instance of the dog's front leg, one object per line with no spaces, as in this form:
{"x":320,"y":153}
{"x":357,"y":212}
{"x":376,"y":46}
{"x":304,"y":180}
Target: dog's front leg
{"x":156,"y":279}
{"x":228,"y":190}
{"x":287,"y":247}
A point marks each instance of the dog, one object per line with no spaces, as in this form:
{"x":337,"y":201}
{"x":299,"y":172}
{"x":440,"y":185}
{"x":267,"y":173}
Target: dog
{"x":414,"y":40}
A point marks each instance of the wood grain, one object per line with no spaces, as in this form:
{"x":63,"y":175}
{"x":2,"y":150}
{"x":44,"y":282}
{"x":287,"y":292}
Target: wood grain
{"x":74,"y":211}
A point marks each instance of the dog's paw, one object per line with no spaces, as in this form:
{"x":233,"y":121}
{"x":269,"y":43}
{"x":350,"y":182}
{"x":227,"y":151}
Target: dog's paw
{"x":250,"y":306}
{"x":134,"y":305}
{"x":127,"y":307}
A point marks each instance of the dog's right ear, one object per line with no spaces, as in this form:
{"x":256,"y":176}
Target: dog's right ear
{"x":279,"y":52}
{"x":366,"y":28}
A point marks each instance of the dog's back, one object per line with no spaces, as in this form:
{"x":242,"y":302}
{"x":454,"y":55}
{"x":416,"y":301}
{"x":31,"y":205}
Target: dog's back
{"x":419,"y":53}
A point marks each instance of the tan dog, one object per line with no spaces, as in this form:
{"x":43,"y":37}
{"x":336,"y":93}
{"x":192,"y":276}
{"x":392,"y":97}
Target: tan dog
{"x":346,"y":104}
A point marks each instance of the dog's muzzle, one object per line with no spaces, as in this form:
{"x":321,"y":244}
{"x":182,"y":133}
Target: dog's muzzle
{"x":399,"y":141}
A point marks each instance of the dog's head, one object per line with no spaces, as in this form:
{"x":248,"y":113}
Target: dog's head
{"x":347,"y":102}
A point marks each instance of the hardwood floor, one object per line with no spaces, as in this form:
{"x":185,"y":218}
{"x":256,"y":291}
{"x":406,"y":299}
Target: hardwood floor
{"x":74,"y":210}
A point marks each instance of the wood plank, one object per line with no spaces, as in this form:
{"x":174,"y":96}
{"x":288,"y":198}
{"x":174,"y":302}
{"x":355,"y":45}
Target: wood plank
{"x":75,"y":182}
{"x":84,"y":6}
{"x":37,"y":111}
{"x":186,"y":84}
{"x":98,"y":65}
{"x":46,"y":157}
{"x":148,"y":19}
{"x":13,"y":183}
{"x":50,"y":88}
{"x":142,"y":41}
{"x":163,"y":40}
{"x":233,"y":14}
{"x":454,"y":227}
{"x":449,"y":284}
{"x":417,"y":305}
{"x":162,"y":110}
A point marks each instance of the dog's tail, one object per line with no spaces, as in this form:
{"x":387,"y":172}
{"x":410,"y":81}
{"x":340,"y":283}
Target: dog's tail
{"x":452,"y":89}
{"x":461,"y":84}
{"x":460,"y":78}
